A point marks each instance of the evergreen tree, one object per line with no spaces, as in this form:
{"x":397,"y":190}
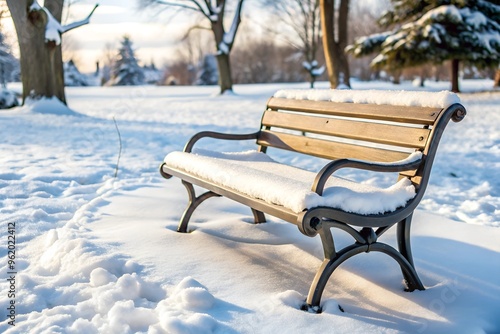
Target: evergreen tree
{"x":208,"y":75}
{"x":434,"y":31}
{"x":72,"y":76}
{"x":126,"y":71}
{"x":8,"y":63}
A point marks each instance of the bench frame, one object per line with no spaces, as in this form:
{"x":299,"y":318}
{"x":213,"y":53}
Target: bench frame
{"x":321,"y":220}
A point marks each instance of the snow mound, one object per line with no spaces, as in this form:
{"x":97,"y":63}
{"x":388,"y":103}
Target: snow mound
{"x":185,"y":310}
{"x":441,"y":99}
{"x":190,"y":294}
{"x":47,"y":105}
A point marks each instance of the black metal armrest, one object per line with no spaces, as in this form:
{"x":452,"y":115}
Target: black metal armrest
{"x":330,"y":168}
{"x":218,"y":135}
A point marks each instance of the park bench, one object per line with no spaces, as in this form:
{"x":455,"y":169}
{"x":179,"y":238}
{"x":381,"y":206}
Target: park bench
{"x":377,"y":131}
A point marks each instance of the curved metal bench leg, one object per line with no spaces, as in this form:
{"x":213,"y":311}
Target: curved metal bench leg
{"x":192,"y":205}
{"x":409,"y":273}
{"x":325,"y":271}
{"x":258,"y":216}
{"x":329,"y":265}
{"x":404,"y":246}
{"x":366,"y":241}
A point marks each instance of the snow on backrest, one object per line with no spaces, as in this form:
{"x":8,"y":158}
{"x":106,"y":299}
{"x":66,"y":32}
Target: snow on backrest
{"x":441,"y":99}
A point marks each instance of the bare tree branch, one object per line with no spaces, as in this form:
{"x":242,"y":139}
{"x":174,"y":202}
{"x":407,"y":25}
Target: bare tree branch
{"x":229,"y":38}
{"x":197,"y":7}
{"x":191,"y":29}
{"x":77,"y":24}
{"x":214,"y":11}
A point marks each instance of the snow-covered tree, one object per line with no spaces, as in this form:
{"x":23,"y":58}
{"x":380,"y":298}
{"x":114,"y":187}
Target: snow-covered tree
{"x":313,"y":69}
{"x":126,"y":71}
{"x":303,"y":19}
{"x":72,"y":76}
{"x":152,"y":75}
{"x":39,"y":32}
{"x":8,"y":63}
{"x":208,"y":74}
{"x":213,"y":12}
{"x":434,"y":31}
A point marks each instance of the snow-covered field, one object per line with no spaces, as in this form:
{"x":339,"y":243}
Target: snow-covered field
{"x":99,"y":254}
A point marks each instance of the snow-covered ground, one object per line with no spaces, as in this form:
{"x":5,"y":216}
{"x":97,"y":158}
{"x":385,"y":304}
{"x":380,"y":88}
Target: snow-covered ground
{"x":99,"y":254}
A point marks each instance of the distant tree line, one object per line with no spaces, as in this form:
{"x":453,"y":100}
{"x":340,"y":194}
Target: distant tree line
{"x":263,"y":59}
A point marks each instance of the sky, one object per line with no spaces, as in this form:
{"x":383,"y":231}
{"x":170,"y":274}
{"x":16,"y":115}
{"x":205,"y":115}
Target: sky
{"x":155,"y":37}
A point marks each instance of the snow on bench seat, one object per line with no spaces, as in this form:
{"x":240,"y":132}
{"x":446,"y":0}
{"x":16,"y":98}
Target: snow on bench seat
{"x":257,"y":175}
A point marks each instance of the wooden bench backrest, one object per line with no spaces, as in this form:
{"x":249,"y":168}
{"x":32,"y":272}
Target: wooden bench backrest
{"x":378,"y":133}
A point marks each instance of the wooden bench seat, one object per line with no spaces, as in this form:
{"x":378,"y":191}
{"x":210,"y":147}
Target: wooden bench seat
{"x":256,"y":175}
{"x":353,"y":129}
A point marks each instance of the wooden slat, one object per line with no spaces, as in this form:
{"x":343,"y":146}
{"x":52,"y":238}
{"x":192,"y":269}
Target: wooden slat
{"x":367,"y":131}
{"x":415,"y":115}
{"x":327,"y":149}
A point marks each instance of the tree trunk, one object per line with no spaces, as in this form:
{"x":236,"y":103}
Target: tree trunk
{"x":454,"y":75}
{"x":223,"y":63}
{"x":327,"y":13}
{"x":56,"y":8}
{"x":396,"y":76}
{"x":497,"y":79}
{"x":225,"y":79}
{"x":41,"y":63}
{"x":335,"y":57}
{"x":342,"y":44}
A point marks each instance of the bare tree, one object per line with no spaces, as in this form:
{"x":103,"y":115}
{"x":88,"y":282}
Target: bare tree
{"x":262,"y":60}
{"x":213,"y":12}
{"x":39,"y":36}
{"x":303,"y":17}
{"x":362,"y":22}
{"x":191,"y":52}
{"x":497,"y":79}
{"x":103,"y":69}
{"x":334,"y":28}
{"x":70,"y":50}
{"x":194,"y":46}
